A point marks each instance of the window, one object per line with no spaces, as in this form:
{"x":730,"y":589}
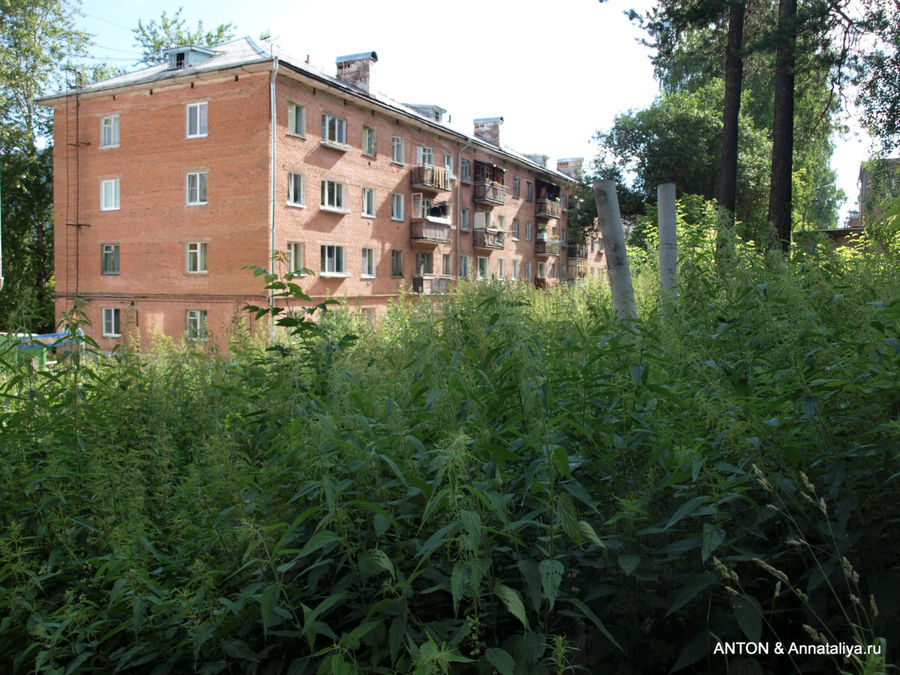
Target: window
{"x":446,"y":266}
{"x":554,"y":273}
{"x":562,"y":237}
{"x":196,"y":324}
{"x":368,"y":202}
{"x":482,"y":268}
{"x":196,"y":257}
{"x":448,"y":162}
{"x":396,"y":263}
{"x":109,"y":195}
{"x":398,"y":150}
{"x":542,"y":270}
{"x":196,"y":120}
{"x":515,"y":270}
{"x":396,"y":207}
{"x":368,"y":263}
{"x":501,"y":268}
{"x":527,"y":270}
{"x":527,"y":231}
{"x":195,"y":188}
{"x":368,"y":142}
{"x":424,"y":155}
{"x":465,"y":171}
{"x":465,"y":264}
{"x":296,"y":189}
{"x":109,"y":131}
{"x":110,"y":264}
{"x":334,"y":129}
{"x":424,"y":262}
{"x":297,"y":257}
{"x":529,"y":191}
{"x":334,"y":196}
{"x":515,"y":186}
{"x":111,"y":323}
{"x":515,"y":229}
{"x":296,"y":119}
{"x":421,"y":207}
{"x":464,"y":220}
{"x":501,"y":223}
{"x":334,"y":262}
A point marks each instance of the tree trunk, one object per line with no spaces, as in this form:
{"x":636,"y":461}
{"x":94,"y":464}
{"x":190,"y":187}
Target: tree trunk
{"x":783,"y":125}
{"x":734,"y":73}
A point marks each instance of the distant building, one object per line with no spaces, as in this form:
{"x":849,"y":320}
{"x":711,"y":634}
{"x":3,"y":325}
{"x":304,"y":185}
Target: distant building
{"x":879,"y":180}
{"x":170,"y":180}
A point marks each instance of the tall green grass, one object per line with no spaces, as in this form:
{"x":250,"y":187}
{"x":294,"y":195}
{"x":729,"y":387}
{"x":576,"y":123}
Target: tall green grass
{"x":495,"y":481}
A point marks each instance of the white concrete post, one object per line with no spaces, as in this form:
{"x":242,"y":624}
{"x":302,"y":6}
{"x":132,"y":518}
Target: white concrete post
{"x":617,"y":270}
{"x":668,"y":248}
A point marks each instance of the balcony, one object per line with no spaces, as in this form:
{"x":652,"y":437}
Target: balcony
{"x":489,"y":192}
{"x":430,"y":285}
{"x":577,"y":252}
{"x":490,"y":239}
{"x":544,"y":208}
{"x":429,"y":177}
{"x":428,"y":232}
{"x":546,"y":247}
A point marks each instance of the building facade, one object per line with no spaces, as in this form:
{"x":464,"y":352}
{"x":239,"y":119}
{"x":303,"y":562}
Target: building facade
{"x":170,"y":181}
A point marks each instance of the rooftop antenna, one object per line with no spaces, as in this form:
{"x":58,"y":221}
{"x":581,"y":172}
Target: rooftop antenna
{"x":266,"y":36}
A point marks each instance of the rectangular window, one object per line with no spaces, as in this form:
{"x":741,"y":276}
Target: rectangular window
{"x":421,"y":206}
{"x":109,"y":131}
{"x":297,"y":257}
{"x":554,"y":273}
{"x":448,"y":162}
{"x":465,"y":264}
{"x":527,"y":270}
{"x":196,"y":257}
{"x":527,"y":231}
{"x":196,"y":324}
{"x":110,"y":263}
{"x":501,"y":223}
{"x":195,"y":125}
{"x":296,"y":189}
{"x":501,"y":268}
{"x":515,"y":186}
{"x":334,"y":261}
{"x":515,"y":270}
{"x":195,"y":188}
{"x":296,"y":119}
{"x":446,"y":266}
{"x":111,"y":324}
{"x":482,"y":268}
{"x":396,"y":263}
{"x":396,"y":207}
{"x":424,"y":155}
{"x":109,"y":195}
{"x":334,"y":196}
{"x":424,"y":263}
{"x":368,"y":263}
{"x":464,"y":220}
{"x":515,"y":229}
{"x":465,"y":171}
{"x":398,"y":151}
{"x":542,"y":270}
{"x":562,"y":237}
{"x":368,"y":141}
{"x":368,"y":202}
{"x":334,"y":129}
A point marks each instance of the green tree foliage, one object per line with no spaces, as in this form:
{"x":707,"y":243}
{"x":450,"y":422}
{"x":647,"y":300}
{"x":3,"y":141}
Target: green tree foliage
{"x":154,"y":37}
{"x":879,"y":76}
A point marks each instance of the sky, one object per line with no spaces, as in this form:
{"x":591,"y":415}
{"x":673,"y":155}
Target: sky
{"x":557,"y":72}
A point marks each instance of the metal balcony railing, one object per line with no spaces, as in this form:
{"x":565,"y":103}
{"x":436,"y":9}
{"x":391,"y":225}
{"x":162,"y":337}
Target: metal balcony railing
{"x":546,"y":247}
{"x":427,"y":232}
{"x":489,"y":192}
{"x":492,"y":239}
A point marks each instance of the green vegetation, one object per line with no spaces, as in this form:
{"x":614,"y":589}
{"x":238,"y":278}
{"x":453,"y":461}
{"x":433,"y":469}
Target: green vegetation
{"x":496,"y":481}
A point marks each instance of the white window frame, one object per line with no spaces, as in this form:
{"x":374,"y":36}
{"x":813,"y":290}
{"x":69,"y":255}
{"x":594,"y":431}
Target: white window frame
{"x":424,"y":155}
{"x":515,"y":229}
{"x":542,"y":270}
{"x":296,"y":120}
{"x":109,"y":195}
{"x":515,"y":270}
{"x":297,"y":257}
{"x":445,"y":267}
{"x":396,"y":263}
{"x":369,"y":142}
{"x":368,"y":263}
{"x":465,"y":171}
{"x":483,"y":267}
{"x":296,"y":189}
{"x":368,"y":202}
{"x":398,"y":150}
{"x":501,"y":223}
{"x":334,"y":131}
{"x":195,"y":195}
{"x":448,"y":163}
{"x":464,"y":221}
{"x":195,"y":325}
{"x":424,"y":263}
{"x":421,"y":205}
{"x":528,"y":231}
{"x":195,"y":257}
{"x":196,"y":123}
{"x":516,"y":186}
{"x":112,"y":322}
{"x":501,"y":268}
{"x":109,"y":131}
{"x":397,"y":207}
{"x":334,"y":196}
{"x":529,"y":191}
{"x":333,"y":260}
{"x":111,"y":250}
{"x":527,"y":270}
{"x":465,"y":266}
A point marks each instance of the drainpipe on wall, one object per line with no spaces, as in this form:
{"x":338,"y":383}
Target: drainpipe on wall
{"x":272,"y":194}
{"x":459,"y":202}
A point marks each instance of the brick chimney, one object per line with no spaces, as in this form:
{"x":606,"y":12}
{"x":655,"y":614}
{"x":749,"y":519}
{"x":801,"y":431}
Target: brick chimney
{"x":572,"y":167}
{"x":488,"y":129}
{"x":356,"y":69}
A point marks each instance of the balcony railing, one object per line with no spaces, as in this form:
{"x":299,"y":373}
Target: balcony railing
{"x":430,"y":285}
{"x":430,"y":177}
{"x":544,"y":208}
{"x":546,"y":247}
{"x":492,"y":239}
{"x":424,"y":231}
{"x":577,"y":251}
{"x":488,"y":192}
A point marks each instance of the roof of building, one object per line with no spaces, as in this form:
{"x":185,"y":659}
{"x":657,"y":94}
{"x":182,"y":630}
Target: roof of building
{"x":244,"y":52}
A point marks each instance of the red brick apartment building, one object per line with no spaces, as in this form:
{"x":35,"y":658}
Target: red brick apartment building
{"x":170,"y":180}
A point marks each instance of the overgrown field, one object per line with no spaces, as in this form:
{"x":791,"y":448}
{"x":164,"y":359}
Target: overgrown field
{"x":499,"y":481}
